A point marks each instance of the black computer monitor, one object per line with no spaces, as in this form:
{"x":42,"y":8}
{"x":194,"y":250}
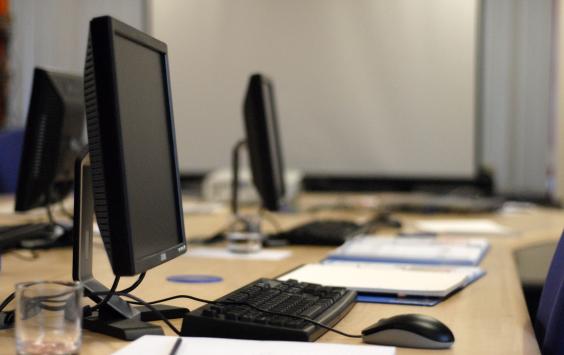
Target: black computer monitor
{"x":263,"y":142}
{"x":129,"y":178}
{"x":135,"y":179}
{"x":53,"y":139}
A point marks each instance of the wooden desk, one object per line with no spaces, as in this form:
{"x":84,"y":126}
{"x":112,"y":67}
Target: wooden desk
{"x":488,"y":317}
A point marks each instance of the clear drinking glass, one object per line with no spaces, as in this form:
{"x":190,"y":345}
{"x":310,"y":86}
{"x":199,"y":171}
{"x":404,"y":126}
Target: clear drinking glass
{"x":48,"y":317}
{"x":244,"y":242}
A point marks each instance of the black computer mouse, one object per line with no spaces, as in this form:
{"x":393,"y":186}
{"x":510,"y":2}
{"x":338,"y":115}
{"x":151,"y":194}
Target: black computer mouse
{"x":410,"y":331}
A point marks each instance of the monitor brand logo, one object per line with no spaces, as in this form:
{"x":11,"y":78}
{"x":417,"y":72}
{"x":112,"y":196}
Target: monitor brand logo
{"x":163,"y":256}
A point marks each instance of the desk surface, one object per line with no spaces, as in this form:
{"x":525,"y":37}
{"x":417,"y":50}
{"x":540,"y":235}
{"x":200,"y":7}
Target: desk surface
{"x":488,"y":317}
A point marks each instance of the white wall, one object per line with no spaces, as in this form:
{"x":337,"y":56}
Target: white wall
{"x":517,"y":79}
{"x":53,"y":34}
{"x":382,"y":87}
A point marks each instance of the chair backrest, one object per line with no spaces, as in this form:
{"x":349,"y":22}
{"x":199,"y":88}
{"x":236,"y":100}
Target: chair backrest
{"x":10,"y":155}
{"x":549,"y":323}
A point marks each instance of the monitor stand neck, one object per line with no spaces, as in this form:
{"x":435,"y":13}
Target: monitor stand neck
{"x":235,"y":159}
{"x":116,"y":318}
{"x":249,"y":223}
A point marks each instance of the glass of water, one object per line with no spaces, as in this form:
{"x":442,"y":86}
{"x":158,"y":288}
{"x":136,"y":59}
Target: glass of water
{"x":48,"y":317}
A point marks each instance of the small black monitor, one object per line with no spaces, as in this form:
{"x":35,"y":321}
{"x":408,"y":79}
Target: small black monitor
{"x":131,"y":138}
{"x":53,"y":139}
{"x":263,"y":142}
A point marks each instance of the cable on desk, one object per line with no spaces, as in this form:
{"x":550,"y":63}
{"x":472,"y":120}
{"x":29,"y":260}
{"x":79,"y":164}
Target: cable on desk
{"x":44,"y":302}
{"x":232,"y":303}
{"x":109,"y":295}
{"x":7,"y":316}
{"x":134,"y":285}
{"x":139,"y":301}
{"x":136,"y":301}
{"x":7,"y":301}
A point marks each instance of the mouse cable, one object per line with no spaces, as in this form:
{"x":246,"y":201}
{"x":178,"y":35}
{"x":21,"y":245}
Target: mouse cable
{"x":232,"y":303}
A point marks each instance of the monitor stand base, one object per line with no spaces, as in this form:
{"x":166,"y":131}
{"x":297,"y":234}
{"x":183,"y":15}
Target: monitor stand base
{"x":131,"y":328}
{"x":121,"y":328}
{"x":169,"y":312}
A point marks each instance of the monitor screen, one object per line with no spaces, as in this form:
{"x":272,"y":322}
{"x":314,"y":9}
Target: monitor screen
{"x":263,"y":141}
{"x":273,"y":137}
{"x":132,"y":146}
{"x":143,"y":109}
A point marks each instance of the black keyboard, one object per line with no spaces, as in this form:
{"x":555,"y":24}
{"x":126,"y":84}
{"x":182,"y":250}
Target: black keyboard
{"x":13,"y":236}
{"x":324,"y":232}
{"x":33,"y":235}
{"x":323,"y":304}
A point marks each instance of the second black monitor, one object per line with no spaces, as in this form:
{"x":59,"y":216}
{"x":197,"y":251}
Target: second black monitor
{"x":264,"y":143}
{"x":53,"y":139}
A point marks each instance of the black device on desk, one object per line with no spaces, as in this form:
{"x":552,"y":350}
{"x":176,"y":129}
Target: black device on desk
{"x":267,"y":167}
{"x":34,"y":234}
{"x":228,"y":318}
{"x":409,"y":330}
{"x":264,"y":142}
{"x":138,"y":208}
{"x":331,"y":232}
{"x":130,"y":122}
{"x":53,"y":140}
{"x":320,"y":232}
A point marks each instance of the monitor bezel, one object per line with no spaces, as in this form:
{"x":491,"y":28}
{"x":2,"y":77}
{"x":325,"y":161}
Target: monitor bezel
{"x":260,"y":149}
{"x":117,"y":235}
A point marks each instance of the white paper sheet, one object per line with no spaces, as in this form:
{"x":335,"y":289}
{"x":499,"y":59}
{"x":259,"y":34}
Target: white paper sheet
{"x":395,"y":279}
{"x":161,"y":345}
{"x":463,"y":226}
{"x":222,"y":253}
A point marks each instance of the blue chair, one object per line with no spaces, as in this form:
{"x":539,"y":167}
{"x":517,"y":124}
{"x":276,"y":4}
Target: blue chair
{"x":10,"y":153}
{"x":549,"y":323}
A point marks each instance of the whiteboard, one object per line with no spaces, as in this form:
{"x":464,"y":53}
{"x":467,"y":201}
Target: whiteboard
{"x":364,"y":87}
